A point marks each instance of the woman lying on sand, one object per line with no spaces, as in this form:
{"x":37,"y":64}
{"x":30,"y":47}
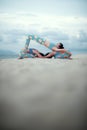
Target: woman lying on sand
{"x":58,"y":50}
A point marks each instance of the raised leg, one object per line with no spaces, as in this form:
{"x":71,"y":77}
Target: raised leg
{"x":35,"y":38}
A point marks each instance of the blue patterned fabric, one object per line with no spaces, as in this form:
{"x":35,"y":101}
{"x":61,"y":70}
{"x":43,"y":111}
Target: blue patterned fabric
{"x":27,"y":43}
{"x":61,"y":55}
{"x":23,"y":54}
{"x":51,"y":46}
{"x":35,"y":38}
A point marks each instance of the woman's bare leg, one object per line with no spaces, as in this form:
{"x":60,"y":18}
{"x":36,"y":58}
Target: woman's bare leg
{"x":50,"y":54}
{"x":38,"y":54}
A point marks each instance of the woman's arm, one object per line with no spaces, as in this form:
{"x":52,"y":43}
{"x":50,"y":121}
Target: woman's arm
{"x":61,"y":51}
{"x":69,"y":53}
{"x":58,"y":50}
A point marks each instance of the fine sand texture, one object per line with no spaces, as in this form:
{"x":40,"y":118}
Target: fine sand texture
{"x":43,"y":94}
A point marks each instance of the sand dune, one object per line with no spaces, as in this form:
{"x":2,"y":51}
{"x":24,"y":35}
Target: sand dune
{"x":43,"y":94}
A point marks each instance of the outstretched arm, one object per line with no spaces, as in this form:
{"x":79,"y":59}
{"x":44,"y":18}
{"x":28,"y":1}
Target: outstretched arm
{"x":62,"y":51}
{"x":58,"y":50}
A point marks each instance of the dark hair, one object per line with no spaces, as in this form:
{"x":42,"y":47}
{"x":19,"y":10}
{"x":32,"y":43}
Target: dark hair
{"x":61,"y":46}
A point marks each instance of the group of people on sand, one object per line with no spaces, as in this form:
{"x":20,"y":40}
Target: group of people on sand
{"x":58,"y":50}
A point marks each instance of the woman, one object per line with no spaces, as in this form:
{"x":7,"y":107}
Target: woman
{"x":56,"y":49}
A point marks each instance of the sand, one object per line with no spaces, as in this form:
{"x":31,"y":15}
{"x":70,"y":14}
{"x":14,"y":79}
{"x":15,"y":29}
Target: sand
{"x":43,"y":94}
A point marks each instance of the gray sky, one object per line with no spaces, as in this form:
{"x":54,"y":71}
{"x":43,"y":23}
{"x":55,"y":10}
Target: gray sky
{"x":58,"y":7}
{"x":56,"y":20}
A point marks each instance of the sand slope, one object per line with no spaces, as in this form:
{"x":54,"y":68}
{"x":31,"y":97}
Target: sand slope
{"x":43,"y":94}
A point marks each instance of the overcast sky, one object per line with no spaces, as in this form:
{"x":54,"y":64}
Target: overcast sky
{"x":56,"y":20}
{"x":55,"y":7}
